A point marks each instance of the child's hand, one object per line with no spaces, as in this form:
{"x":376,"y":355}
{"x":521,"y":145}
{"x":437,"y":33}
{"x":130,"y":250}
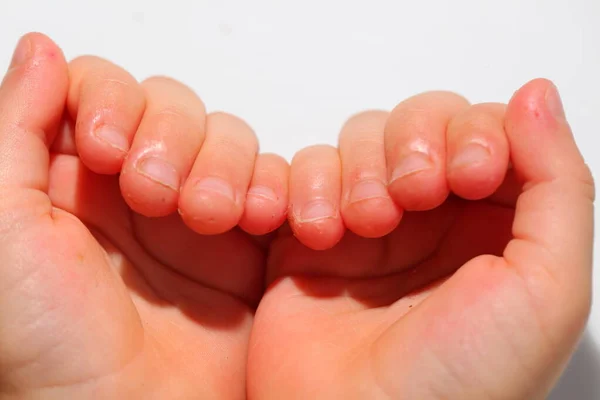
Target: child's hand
{"x":392,"y":318}
{"x":171,"y":154}
{"x":137,"y":305}
{"x":126,"y":306}
{"x":388,"y":163}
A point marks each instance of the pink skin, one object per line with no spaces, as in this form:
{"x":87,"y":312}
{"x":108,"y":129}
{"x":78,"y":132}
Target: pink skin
{"x":170,"y":143}
{"x":267,"y":198}
{"x":107,"y":106}
{"x":469,"y":300}
{"x":367,"y":208}
{"x":315,"y":197}
{"x":477,"y":151}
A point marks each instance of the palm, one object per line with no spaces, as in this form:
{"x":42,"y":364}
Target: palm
{"x":167,"y":307}
{"x":321,"y":319}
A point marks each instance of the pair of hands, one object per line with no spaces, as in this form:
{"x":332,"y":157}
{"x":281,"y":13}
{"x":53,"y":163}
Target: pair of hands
{"x":105,"y":292}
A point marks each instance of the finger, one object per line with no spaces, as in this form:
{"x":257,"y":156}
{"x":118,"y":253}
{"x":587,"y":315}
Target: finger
{"x":107,"y":104}
{"x":553,"y":225}
{"x":212,"y":199}
{"x":477,"y":151}
{"x":315,"y":192}
{"x":165,"y":146}
{"x":367,"y":208}
{"x":267,"y":198}
{"x":32,"y":98}
{"x":515,"y":320}
{"x":415,"y":149}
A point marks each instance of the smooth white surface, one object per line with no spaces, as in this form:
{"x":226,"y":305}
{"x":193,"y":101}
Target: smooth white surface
{"x":296,"y":70}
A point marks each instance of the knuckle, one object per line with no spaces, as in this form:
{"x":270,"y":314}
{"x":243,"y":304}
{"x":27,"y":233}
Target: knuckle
{"x":160,"y":89}
{"x":236,"y":149}
{"x":364,"y":128}
{"x":173,"y":121}
{"x":475,"y":119}
{"x":160,"y":84}
{"x":272,"y":159}
{"x":173,"y":112}
{"x":366,"y":120}
{"x":232,"y":129}
{"x":366,"y":144}
{"x":86,"y":62}
{"x":162,"y":80}
{"x":315,"y":150}
{"x":420,"y":114}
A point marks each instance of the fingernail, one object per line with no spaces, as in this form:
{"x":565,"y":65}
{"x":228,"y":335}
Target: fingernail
{"x":411,"y":164}
{"x":263,"y":192}
{"x":159,"y":171}
{"x":316,"y":210}
{"x":367,"y":189}
{"x":472,"y":154}
{"x":113,"y":136}
{"x":554,"y":103}
{"x":22,"y":52}
{"x":217,"y":186}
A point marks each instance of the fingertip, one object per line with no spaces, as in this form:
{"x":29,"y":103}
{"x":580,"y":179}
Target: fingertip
{"x":214,"y":194}
{"x":476,"y":182}
{"x":107,"y":104}
{"x":267,"y":198}
{"x":530,"y":93}
{"x":210,"y":205}
{"x":421,"y":191}
{"x":317,"y":224}
{"x":541,"y":141}
{"x":102,"y":151}
{"x":35,"y":50}
{"x":415,"y":146}
{"x":372,"y":217}
{"x":536,"y":101}
{"x":319,"y":234}
{"x":39,"y":44}
{"x":147,"y":196}
{"x":367,"y":207}
{"x":477,"y":151}
{"x":264,"y":211}
{"x":315,"y":194}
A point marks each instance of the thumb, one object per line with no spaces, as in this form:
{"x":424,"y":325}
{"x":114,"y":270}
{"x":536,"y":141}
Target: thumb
{"x":505,"y":327}
{"x":554,"y":222}
{"x":32,"y":98}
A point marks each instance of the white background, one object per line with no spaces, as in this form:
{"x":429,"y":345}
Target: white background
{"x":296,"y":70}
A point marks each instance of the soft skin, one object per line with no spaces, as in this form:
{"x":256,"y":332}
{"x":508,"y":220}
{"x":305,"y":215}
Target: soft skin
{"x":418,"y":262}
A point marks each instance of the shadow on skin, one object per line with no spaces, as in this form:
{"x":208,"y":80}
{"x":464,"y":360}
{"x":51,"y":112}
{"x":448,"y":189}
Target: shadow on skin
{"x":426,"y":248}
{"x":159,"y":284}
{"x":581,"y":380}
{"x":374,"y":292}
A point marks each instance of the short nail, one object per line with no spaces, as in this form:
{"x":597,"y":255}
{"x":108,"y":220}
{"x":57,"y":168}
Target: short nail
{"x":159,"y":171}
{"x":411,"y":164}
{"x":367,"y":189}
{"x":22,"y":52}
{"x":217,"y":186}
{"x":262,"y":192}
{"x":471,"y":154}
{"x":317,"y":210}
{"x":113,"y":136}
{"x":554,"y":103}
